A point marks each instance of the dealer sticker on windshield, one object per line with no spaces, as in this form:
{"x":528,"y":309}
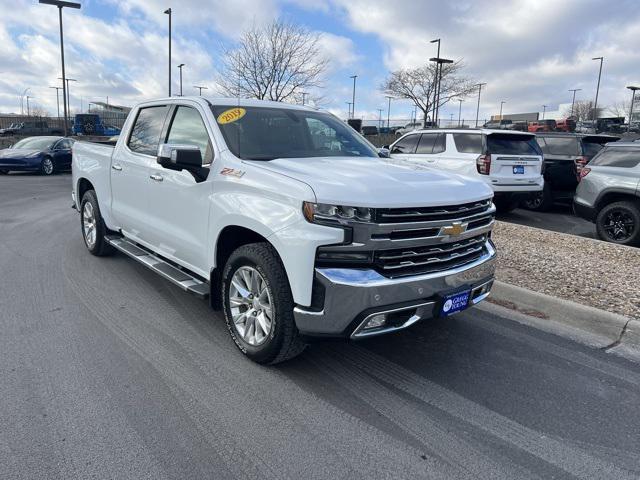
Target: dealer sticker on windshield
{"x":231,"y":115}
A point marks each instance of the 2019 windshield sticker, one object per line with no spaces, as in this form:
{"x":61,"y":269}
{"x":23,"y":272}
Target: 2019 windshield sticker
{"x":231,"y":115}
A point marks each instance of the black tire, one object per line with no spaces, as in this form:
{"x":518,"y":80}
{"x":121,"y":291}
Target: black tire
{"x":619,"y":222}
{"x":99,"y":247}
{"x":47,"y":166}
{"x":283,"y":340}
{"x":506,"y":204}
{"x":539,"y":201}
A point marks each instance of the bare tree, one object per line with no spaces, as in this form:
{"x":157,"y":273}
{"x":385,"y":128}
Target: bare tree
{"x":277,"y":62}
{"x":619,"y":109}
{"x":417,"y":85}
{"x":38,"y":111}
{"x":582,"y":110}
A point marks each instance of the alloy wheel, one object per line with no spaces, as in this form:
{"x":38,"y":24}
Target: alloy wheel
{"x":47,"y":166}
{"x":251,"y":305}
{"x":619,"y":224}
{"x":89,"y":224}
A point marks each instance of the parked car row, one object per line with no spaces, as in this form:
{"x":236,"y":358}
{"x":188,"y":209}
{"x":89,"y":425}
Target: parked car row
{"x":37,"y":127}
{"x":535,"y":171}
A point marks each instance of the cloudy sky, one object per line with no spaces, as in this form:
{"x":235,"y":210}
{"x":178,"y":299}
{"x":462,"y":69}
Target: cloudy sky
{"x":529,"y":52}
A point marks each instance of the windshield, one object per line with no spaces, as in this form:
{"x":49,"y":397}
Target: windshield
{"x":35,"y":143}
{"x":267,"y":133}
{"x":510,"y":144}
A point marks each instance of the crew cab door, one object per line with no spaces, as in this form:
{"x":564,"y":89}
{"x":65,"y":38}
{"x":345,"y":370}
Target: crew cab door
{"x":178,"y":208}
{"x":130,"y":170}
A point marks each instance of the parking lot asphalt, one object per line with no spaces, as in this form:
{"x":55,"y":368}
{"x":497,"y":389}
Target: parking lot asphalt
{"x":108,"y":371}
{"x":559,"y":219}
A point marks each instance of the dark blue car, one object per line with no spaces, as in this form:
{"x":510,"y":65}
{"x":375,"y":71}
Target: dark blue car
{"x":38,"y":154}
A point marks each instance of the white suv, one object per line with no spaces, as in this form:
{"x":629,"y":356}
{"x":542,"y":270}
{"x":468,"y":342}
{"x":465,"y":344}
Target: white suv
{"x":510,"y":162}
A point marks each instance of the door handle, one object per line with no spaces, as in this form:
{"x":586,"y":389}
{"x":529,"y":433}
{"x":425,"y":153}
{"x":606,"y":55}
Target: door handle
{"x":116,"y":167}
{"x":157,"y":178}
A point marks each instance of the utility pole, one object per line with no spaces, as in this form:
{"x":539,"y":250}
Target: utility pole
{"x":353,"y":100}
{"x":61,"y":4}
{"x":544,"y":109}
{"x":574,"y":90}
{"x":180,"y":67}
{"x":65,"y":82}
{"x":459,"y":111}
{"x":480,"y":85}
{"x":28,"y":111}
{"x":388,"y":109}
{"x":349,"y":106}
{"x":57,"y":102}
{"x":168,"y":12}
{"x":440,"y":62}
{"x":380,"y":110}
{"x":633,"y":96}
{"x":501,"y":104}
{"x":435,"y":83}
{"x":200,"y":88}
{"x":595,"y":106}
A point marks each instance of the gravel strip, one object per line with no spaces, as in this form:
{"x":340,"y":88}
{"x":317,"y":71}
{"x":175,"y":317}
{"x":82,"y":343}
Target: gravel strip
{"x":586,"y":271}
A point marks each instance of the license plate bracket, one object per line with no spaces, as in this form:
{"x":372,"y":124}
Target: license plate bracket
{"x":455,"y":302}
{"x":518,"y":169}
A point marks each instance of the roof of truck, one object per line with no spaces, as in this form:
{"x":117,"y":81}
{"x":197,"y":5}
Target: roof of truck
{"x":233,"y":102}
{"x":484,"y":131}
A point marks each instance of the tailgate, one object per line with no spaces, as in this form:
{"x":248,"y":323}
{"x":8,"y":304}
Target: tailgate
{"x":515,"y":169}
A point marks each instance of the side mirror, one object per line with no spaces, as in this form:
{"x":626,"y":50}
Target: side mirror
{"x":384,"y":152}
{"x":180,"y":157}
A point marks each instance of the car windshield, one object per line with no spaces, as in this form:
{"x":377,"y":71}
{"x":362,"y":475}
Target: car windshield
{"x":267,"y":133}
{"x":511,"y":144}
{"x":35,"y":143}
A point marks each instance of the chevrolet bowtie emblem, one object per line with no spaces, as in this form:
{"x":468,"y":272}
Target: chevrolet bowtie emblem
{"x":455,"y":229}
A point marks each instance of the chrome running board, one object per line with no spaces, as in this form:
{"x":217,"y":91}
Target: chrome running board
{"x":182,"y":278}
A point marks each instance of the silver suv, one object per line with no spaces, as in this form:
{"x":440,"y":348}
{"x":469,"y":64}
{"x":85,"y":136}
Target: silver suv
{"x":609,"y":193}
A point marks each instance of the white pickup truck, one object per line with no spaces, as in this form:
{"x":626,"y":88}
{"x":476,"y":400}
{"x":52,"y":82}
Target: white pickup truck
{"x":287,"y":219}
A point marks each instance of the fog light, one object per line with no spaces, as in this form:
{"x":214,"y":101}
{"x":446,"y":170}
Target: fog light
{"x":376,"y":321}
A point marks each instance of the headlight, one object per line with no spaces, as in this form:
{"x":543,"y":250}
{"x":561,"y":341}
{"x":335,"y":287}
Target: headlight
{"x":325,"y":213}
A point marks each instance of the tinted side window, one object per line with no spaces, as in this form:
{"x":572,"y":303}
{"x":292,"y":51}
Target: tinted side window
{"x":64,"y":144}
{"x":468,"y":143}
{"x":406,"y":145}
{"x":441,"y":143}
{"x":617,"y":157}
{"x":427,"y":141}
{"x":187,"y":128}
{"x":145,"y":135}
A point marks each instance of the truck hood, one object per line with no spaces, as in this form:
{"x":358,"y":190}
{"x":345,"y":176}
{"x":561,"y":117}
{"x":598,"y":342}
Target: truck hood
{"x":377,"y":182}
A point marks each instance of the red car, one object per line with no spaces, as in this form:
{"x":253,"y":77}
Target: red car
{"x":542,"y":126}
{"x":566,"y":125}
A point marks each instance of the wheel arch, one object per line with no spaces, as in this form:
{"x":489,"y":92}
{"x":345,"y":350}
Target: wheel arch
{"x":83,"y":186}
{"x":611,"y":196}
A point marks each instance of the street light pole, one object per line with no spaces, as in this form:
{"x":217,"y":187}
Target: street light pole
{"x":304,"y":97}
{"x":61,"y":4}
{"x":501,"y":104}
{"x":65,"y":84}
{"x":168,"y":12}
{"x":353,"y":100}
{"x":28,"y":111}
{"x":595,"y":107}
{"x":389,"y":109}
{"x":574,"y":90}
{"x":459,"y":111}
{"x":349,"y":107}
{"x":380,"y":110}
{"x":480,"y":85}
{"x":633,"y":96}
{"x":544,"y":109}
{"x":435,"y":83}
{"x":180,"y":67}
{"x":440,"y":62}
{"x":57,"y":102}
{"x":200,"y":89}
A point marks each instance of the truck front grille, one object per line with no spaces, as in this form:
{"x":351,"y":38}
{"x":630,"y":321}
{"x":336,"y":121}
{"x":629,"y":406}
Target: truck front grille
{"x":423,"y":214}
{"x":429,"y":259}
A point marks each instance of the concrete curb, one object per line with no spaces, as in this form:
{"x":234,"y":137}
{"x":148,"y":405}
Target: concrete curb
{"x":587,"y":325}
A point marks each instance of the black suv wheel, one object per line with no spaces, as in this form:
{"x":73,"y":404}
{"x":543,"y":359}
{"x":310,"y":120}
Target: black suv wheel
{"x":619,"y":222}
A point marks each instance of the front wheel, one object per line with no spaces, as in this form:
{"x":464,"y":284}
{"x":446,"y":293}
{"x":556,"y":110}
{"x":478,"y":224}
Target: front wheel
{"x":46,"y":166}
{"x":619,"y":223}
{"x":258,"y":305}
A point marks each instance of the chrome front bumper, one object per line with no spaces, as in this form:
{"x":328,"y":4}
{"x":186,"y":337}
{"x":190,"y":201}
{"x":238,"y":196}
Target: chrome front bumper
{"x":352,"y":296}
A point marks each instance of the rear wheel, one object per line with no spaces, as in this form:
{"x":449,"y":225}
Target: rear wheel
{"x":94,"y":230}
{"x":258,"y":305}
{"x":541,"y":201}
{"x":619,"y":222}
{"x":47,"y":166}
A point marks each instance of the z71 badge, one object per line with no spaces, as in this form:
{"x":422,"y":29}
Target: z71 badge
{"x":232,"y":172}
